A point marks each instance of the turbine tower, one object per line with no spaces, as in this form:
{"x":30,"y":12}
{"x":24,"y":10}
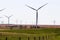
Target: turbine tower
{"x":37,"y":12}
{"x":8,"y":18}
{"x":54,"y":22}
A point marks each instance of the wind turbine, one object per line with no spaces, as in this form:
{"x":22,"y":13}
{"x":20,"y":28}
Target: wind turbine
{"x":8,"y":17}
{"x":20,"y":22}
{"x":16,"y":21}
{"x":54,"y":22}
{"x":37,"y":12}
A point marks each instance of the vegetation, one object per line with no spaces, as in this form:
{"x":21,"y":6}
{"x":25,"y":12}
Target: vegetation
{"x":51,"y":33}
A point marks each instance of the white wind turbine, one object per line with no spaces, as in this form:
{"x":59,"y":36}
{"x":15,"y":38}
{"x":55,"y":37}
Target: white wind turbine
{"x":37,"y":12}
{"x":8,"y":17}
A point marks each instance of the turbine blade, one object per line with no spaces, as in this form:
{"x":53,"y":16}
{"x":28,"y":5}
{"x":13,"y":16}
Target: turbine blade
{"x":42,"y":6}
{"x":8,"y":16}
{"x":30,"y":7}
{"x":2,"y":9}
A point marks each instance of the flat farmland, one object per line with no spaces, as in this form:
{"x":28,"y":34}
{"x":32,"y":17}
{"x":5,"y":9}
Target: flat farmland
{"x":30,"y":34}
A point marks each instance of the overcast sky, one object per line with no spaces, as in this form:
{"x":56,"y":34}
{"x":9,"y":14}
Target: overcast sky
{"x":24,"y":15}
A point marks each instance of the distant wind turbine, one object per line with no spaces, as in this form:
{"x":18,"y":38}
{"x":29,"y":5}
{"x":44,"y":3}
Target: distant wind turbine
{"x":54,"y":22}
{"x":37,"y":12}
{"x":8,"y":18}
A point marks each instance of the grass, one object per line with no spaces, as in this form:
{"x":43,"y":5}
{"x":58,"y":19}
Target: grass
{"x":53,"y":33}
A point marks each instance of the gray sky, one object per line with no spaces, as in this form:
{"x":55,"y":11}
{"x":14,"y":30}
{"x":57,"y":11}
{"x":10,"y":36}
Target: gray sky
{"x":24,"y":15}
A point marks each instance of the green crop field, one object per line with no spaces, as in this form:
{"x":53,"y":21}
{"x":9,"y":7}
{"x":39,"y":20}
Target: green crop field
{"x":24,"y":34}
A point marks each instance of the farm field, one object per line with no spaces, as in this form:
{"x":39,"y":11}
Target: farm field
{"x":31,"y":34}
